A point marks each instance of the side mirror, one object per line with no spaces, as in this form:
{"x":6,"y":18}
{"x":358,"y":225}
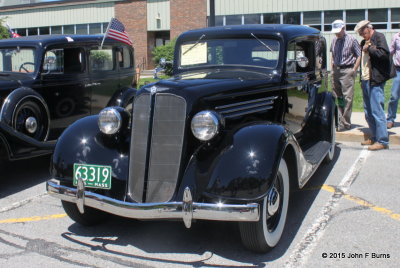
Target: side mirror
{"x":162,"y":62}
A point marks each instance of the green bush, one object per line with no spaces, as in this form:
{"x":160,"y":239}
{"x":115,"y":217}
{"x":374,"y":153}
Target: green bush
{"x":167,"y":52}
{"x":4,"y":34}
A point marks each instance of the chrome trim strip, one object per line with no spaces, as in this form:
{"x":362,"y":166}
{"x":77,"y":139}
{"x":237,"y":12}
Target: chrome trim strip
{"x":245,"y":102}
{"x":264,"y":108}
{"x":167,"y":210}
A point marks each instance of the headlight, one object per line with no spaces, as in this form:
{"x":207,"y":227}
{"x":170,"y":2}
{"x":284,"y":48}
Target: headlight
{"x":205,"y":125}
{"x":109,"y":121}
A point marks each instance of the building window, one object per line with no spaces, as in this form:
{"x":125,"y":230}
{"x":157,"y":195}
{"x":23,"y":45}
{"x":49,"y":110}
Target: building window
{"x":32,"y":31}
{"x":233,"y":19}
{"x":395,"y":18}
{"x":56,"y":30}
{"x":44,"y":30}
{"x":312,"y":19}
{"x":353,"y":17}
{"x":21,"y":32}
{"x":95,"y":28}
{"x":81,"y":29}
{"x":252,"y":19}
{"x":291,"y":18}
{"x":378,"y":18}
{"x":331,"y":16}
{"x":69,"y":29}
{"x":272,"y":18}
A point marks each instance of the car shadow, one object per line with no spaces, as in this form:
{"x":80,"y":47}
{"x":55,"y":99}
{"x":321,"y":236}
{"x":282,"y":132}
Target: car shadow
{"x":203,"y":240}
{"x":16,"y":176}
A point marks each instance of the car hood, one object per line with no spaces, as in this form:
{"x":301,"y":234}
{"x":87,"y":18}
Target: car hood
{"x":195,"y":85}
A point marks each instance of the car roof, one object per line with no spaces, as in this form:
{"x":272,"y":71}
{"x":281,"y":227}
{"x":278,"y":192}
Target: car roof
{"x":46,"y":40}
{"x":287,"y":31}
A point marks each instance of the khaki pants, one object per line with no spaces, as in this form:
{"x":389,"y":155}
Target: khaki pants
{"x":343,"y":88}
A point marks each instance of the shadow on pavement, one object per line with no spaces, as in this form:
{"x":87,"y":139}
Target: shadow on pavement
{"x":203,"y":240}
{"x":16,"y":176}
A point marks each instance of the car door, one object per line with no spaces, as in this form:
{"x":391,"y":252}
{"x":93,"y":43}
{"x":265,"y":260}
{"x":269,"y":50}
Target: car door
{"x":104,"y":78}
{"x":301,"y":90}
{"x":63,"y":85}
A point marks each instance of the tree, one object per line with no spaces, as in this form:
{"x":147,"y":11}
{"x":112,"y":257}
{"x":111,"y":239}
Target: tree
{"x":167,"y":52}
{"x":3,"y":30}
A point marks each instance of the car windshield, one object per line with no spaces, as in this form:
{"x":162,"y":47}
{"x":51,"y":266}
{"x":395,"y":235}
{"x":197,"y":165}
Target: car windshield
{"x":17,"y":60}
{"x":252,"y":52}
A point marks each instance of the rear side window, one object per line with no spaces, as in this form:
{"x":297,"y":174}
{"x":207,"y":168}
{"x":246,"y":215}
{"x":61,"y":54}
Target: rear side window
{"x":125,"y":58}
{"x":297,"y":51}
{"x":65,"y":60}
{"x":101,"y":59}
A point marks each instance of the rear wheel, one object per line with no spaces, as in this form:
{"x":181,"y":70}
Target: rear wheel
{"x":265,"y":234}
{"x":31,"y":119}
{"x":90,"y":217}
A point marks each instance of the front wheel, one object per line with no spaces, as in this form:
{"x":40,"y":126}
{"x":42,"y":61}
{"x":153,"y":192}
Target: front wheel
{"x":265,"y":234}
{"x":329,"y":156}
{"x":90,"y":217}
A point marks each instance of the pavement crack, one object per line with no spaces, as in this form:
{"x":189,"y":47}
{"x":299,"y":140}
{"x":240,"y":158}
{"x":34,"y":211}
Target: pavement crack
{"x":22,"y":203}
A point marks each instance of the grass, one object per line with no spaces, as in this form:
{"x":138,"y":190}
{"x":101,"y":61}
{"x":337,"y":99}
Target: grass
{"x":357,"y":100}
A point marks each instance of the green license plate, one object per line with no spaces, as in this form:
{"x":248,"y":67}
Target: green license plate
{"x":93,"y":176}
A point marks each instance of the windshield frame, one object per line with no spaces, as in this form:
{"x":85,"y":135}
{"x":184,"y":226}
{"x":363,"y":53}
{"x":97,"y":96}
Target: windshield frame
{"x":37,"y":59}
{"x":178,"y":68}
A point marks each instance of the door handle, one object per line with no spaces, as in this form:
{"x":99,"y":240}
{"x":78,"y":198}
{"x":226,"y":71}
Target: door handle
{"x":92,"y":84}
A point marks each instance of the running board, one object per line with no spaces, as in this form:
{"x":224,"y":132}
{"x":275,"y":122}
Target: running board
{"x":316,"y":153}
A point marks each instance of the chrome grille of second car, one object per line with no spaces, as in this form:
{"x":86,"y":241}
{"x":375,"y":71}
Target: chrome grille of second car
{"x":163,"y":156}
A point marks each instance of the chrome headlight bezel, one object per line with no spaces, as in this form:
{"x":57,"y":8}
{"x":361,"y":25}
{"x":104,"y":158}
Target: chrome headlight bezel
{"x":205,"y":125}
{"x":110,"y":121}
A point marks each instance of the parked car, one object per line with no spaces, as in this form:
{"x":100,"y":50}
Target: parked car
{"x":48,"y":82}
{"x":245,"y":118}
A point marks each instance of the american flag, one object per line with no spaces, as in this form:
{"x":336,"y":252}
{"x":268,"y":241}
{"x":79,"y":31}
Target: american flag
{"x":116,"y":30}
{"x":11,"y":32}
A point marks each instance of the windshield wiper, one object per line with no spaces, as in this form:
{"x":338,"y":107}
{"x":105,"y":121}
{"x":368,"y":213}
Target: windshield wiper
{"x":195,"y":44}
{"x":261,"y":42}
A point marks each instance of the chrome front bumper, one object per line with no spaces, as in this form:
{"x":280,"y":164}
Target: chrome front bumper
{"x":187,"y":210}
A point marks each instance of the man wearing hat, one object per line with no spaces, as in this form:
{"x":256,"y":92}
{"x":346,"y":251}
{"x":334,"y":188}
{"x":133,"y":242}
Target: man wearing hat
{"x":395,"y":92}
{"x":375,"y":71}
{"x":346,"y":54}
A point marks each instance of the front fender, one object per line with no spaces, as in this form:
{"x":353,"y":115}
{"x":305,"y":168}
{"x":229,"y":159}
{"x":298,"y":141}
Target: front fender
{"x":243,"y":166}
{"x":82,"y":142}
{"x":122,"y":97}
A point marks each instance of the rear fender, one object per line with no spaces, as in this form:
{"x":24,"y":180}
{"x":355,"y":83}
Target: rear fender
{"x":122,"y":97}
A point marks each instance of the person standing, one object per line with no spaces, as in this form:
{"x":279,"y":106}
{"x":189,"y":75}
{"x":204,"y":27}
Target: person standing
{"x":346,"y":56}
{"x":395,"y":92}
{"x":375,"y":71}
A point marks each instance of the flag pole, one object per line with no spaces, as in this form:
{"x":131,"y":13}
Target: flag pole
{"x":105,"y":34}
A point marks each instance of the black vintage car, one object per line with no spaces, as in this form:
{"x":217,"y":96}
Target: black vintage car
{"x":48,"y":82}
{"x":246,"y":117}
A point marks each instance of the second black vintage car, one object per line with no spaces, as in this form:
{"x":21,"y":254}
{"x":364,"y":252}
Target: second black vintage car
{"x":245,"y":118}
{"x":48,"y":82}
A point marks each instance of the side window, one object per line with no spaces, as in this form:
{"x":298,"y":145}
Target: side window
{"x":101,"y":59}
{"x":320,"y":54}
{"x":65,"y":60}
{"x":54,"y":61}
{"x":125,"y":58}
{"x":296,"y":54}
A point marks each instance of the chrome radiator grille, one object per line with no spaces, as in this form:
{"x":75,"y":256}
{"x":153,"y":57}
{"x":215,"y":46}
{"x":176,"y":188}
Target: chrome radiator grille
{"x":163,"y":156}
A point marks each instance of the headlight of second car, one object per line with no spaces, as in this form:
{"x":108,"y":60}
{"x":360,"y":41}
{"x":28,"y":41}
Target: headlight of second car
{"x":205,"y":125}
{"x":110,"y":120}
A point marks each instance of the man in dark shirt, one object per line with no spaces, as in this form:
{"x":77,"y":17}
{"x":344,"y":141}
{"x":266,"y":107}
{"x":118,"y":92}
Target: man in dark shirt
{"x":346,"y":55}
{"x":375,"y":71}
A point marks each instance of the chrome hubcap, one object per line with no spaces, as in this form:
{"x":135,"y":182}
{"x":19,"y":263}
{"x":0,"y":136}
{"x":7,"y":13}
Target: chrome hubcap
{"x":273,"y":201}
{"x":31,"y":124}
